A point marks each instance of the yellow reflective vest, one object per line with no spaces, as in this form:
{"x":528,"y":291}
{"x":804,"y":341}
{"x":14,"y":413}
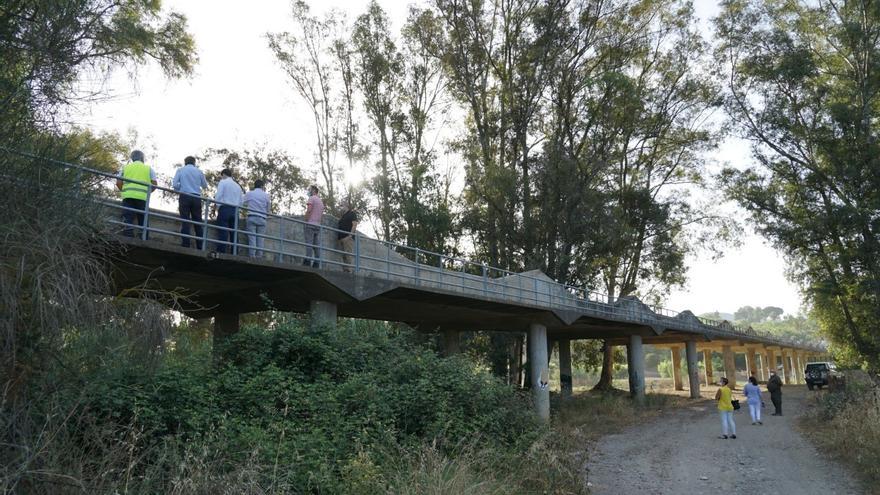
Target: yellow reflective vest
{"x":135,"y":171}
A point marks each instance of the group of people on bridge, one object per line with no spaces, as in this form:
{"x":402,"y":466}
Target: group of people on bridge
{"x":136,"y":177}
{"x":752,"y":392}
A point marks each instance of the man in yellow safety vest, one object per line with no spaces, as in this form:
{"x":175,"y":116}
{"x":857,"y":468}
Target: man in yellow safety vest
{"x":132,"y":182}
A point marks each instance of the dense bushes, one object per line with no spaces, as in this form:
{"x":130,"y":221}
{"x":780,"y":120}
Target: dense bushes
{"x":311,"y":411}
{"x":850,"y":420}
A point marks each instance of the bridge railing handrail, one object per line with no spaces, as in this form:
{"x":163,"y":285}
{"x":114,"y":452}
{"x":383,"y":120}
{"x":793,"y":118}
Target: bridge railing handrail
{"x":493,"y":278}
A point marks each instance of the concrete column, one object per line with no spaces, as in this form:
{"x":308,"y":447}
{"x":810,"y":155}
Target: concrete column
{"x":801,"y":366}
{"x":771,"y":361}
{"x":451,"y":344}
{"x":676,"y":368}
{"x":753,"y":363}
{"x":693,"y":370}
{"x":225,"y":324}
{"x":786,"y":367}
{"x":707,"y":366}
{"x":637,"y":368}
{"x":729,"y":365}
{"x":539,"y":371}
{"x":565,"y":381}
{"x":323,"y":314}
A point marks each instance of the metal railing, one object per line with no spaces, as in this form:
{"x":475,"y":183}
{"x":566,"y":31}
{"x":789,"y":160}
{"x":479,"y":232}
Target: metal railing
{"x":373,"y":257}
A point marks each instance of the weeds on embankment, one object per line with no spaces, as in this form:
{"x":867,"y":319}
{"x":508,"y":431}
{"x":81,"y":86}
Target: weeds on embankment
{"x":846,"y":424}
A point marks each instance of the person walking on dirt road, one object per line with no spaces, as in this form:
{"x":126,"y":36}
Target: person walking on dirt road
{"x":774,"y":386}
{"x":753,"y":395}
{"x":725,"y":410}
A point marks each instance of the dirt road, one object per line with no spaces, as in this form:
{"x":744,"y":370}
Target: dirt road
{"x":680,"y":453}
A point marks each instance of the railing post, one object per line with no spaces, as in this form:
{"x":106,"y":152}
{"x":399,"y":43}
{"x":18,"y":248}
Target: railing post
{"x":280,"y":254}
{"x":234,"y":236}
{"x":205,"y":224}
{"x":320,"y":245}
{"x":78,"y":184}
{"x":418,"y":267}
{"x":357,"y":253}
{"x":146,"y":213}
{"x":387,"y":261}
{"x":485,"y":280}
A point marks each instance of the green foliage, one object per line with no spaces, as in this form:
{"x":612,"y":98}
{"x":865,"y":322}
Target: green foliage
{"x":285,"y":180}
{"x":46,"y":48}
{"x":811,"y":113}
{"x":320,"y":403}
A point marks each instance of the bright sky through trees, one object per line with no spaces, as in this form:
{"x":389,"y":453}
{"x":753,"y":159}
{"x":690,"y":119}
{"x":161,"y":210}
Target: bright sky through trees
{"x":239,"y":98}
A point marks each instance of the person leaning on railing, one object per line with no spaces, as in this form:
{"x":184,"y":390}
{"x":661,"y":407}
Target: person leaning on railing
{"x":132,"y":182}
{"x":189,"y":181}
{"x":228,"y":196}
{"x":347,"y":226}
{"x":256,"y":201}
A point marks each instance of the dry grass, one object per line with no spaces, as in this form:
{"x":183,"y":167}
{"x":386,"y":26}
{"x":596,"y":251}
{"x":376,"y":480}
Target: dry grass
{"x":850,"y":422}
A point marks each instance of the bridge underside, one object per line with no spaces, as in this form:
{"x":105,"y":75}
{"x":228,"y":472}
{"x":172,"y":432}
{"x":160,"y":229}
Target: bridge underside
{"x":202,"y":285}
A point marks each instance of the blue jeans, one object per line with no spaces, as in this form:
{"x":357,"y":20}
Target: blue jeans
{"x":256,"y":227}
{"x":313,"y":243}
{"x":225,"y":218}
{"x":727,"y":423}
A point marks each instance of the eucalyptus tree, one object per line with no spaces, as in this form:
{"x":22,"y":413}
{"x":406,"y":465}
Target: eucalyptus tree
{"x":310,"y":56}
{"x":46,"y":48}
{"x":803,"y":87}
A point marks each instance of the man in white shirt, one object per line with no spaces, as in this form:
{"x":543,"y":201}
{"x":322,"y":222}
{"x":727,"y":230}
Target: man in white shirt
{"x":228,"y":197}
{"x":257,"y":203}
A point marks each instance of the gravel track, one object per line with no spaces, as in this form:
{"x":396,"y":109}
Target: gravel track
{"x":680,"y":453}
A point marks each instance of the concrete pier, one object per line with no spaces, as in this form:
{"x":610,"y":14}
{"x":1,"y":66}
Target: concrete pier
{"x":451,"y":342}
{"x":323,"y":314}
{"x":753,"y":363}
{"x":676,"y":368}
{"x":539,"y":370}
{"x":729,"y":365}
{"x":636,"y":368}
{"x":693,"y":369}
{"x":225,"y":324}
{"x":707,"y":366}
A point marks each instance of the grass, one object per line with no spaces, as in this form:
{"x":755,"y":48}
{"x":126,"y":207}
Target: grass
{"x":850,"y":425}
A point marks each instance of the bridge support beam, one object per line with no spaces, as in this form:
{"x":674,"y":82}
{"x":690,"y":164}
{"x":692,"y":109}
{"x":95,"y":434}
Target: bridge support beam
{"x":565,"y":380}
{"x":690,"y":351}
{"x":225,"y":324}
{"x":636,"y":358}
{"x":729,"y":365}
{"x":753,"y":362}
{"x":707,"y":366}
{"x":451,"y":342}
{"x":323,"y":314}
{"x":539,"y":370}
{"x":676,"y":368}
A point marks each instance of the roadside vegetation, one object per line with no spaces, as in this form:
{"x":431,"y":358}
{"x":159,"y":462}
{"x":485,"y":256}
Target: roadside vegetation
{"x":845,"y":423}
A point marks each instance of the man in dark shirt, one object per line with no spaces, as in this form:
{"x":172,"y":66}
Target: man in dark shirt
{"x":774,"y":386}
{"x":347,"y":230}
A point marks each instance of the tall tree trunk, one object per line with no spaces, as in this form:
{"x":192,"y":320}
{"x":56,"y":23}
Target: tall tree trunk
{"x":606,"y":377}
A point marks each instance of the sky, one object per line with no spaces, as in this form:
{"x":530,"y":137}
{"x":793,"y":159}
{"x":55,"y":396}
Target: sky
{"x":239,"y":98}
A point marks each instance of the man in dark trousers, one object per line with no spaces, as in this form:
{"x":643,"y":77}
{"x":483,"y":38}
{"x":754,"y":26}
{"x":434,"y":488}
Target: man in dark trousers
{"x":347,"y":230}
{"x":774,"y":386}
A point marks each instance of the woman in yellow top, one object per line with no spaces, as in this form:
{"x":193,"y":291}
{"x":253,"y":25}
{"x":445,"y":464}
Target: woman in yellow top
{"x":725,"y":409}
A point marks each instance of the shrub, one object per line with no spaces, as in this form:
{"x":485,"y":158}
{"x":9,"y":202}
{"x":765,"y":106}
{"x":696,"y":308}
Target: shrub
{"x":308,"y":410}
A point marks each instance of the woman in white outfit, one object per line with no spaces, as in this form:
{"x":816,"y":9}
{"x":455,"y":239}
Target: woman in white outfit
{"x":753,"y":393}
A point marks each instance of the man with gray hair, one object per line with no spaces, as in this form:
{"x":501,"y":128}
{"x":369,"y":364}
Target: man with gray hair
{"x":134,"y":181}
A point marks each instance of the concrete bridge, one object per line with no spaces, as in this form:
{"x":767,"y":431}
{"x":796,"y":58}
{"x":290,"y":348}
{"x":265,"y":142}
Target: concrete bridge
{"x":429,"y":291}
